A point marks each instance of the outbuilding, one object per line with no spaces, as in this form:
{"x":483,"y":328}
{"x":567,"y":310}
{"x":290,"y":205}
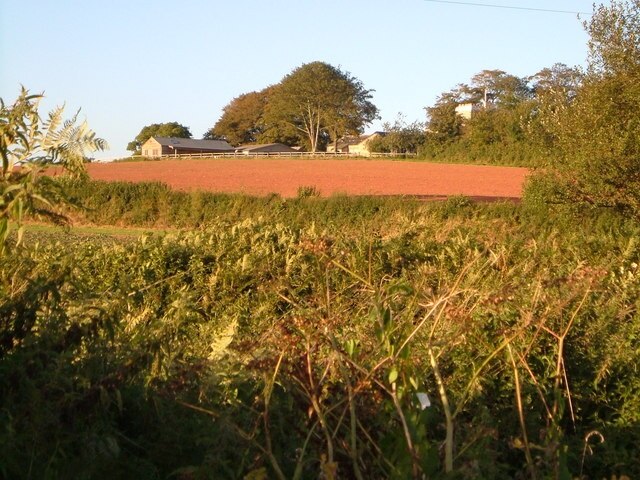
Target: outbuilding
{"x":265,"y":148}
{"x":159,"y":146}
{"x":356,"y":145}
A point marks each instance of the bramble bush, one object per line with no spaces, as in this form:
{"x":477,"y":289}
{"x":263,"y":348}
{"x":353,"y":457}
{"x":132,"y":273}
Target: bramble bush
{"x":466,"y":340}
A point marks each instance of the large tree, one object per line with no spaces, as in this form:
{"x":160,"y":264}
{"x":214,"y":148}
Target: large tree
{"x":559,"y":81}
{"x":495,"y":87}
{"x":319,"y":100}
{"x":599,"y":131}
{"x":242,"y":119}
{"x":555,"y":88}
{"x":614,"y":38}
{"x":243,"y":122}
{"x":443,"y":123}
{"x":499,"y":125}
{"x":170,"y":129}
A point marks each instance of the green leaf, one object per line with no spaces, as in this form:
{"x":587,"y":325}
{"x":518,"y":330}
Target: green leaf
{"x":350,"y":347}
{"x":393,"y":374}
{"x":414,"y":382}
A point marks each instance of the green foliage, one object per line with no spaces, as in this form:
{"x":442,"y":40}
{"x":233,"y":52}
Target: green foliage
{"x":319,"y":102}
{"x":444,"y":124}
{"x":504,"y":125}
{"x":582,"y":127}
{"x":399,"y":137}
{"x":495,"y":87}
{"x":27,"y":145}
{"x":359,"y":338}
{"x":312,"y":105}
{"x":308,"y":191}
{"x":614,"y":45}
{"x":155,"y":205}
{"x":599,"y":132}
{"x":513,"y":121}
{"x":242,"y":119}
{"x":170,"y":129}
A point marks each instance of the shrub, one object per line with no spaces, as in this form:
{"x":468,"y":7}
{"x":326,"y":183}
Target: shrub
{"x":308,"y":191}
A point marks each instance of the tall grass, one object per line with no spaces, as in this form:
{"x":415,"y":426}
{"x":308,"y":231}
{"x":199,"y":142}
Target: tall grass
{"x":340,"y":338}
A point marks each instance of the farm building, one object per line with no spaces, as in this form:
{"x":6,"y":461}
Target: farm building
{"x":158,"y":146}
{"x":265,"y":148}
{"x":467,"y":110}
{"x":357,"y":145}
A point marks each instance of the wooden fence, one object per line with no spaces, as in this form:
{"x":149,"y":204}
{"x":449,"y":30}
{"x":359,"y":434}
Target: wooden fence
{"x":288,"y":155}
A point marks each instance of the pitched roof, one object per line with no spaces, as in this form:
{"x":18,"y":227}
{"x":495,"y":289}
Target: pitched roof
{"x":191,"y":143}
{"x":355,"y":140}
{"x":280,"y":146}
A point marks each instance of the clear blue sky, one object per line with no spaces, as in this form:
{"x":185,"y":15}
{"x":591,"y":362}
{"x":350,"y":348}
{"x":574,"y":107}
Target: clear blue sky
{"x":131,"y":63}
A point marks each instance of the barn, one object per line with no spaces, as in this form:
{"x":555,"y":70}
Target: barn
{"x":162,"y":146}
{"x":265,"y":148}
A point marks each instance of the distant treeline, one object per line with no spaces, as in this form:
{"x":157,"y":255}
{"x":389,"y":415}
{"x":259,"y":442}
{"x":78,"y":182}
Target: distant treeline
{"x":581,"y":126}
{"x":495,"y":118}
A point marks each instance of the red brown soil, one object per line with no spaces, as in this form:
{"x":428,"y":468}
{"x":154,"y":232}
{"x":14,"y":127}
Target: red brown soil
{"x":333,"y":176}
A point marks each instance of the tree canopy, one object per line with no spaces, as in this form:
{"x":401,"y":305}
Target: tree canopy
{"x":512,"y":120}
{"x":495,"y":87}
{"x":312,"y":105}
{"x":503,"y":106}
{"x":614,"y":38}
{"x":599,"y":131}
{"x":443,"y":123}
{"x":318,"y":99}
{"x":242,"y":119}
{"x":170,"y":129}
{"x":400,"y":137}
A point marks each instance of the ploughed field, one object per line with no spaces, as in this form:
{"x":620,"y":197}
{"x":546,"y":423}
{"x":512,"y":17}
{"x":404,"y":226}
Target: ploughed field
{"x":331,"y":176}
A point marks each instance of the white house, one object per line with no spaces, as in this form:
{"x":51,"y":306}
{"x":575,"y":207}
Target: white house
{"x":357,"y":145}
{"x":466,"y":110}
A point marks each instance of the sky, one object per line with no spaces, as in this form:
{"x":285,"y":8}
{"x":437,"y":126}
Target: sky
{"x":131,"y":63}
